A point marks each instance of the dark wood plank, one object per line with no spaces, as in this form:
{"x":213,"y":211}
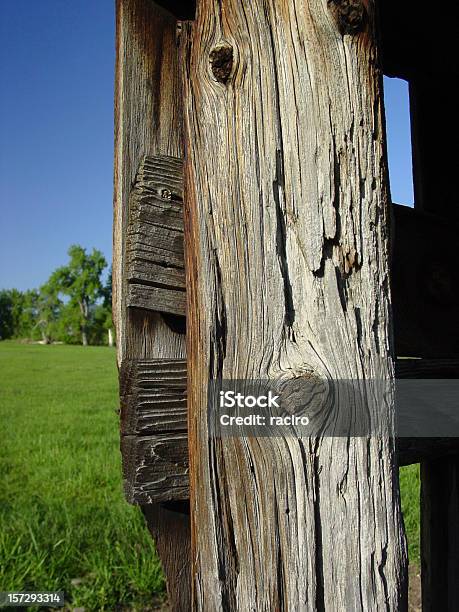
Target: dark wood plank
{"x":427,"y":368}
{"x":433,"y":130}
{"x":416,"y":450}
{"x":409,"y":451}
{"x":157,"y":299}
{"x":170,"y":524}
{"x":153,"y":402}
{"x":155,"y":468}
{"x":154,"y":240}
{"x":153,"y":397}
{"x":440,"y":535}
{"x":424,"y":278}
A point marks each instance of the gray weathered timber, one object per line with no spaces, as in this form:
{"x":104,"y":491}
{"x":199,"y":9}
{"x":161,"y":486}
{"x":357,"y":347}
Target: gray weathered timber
{"x":286,"y":229}
{"x":155,"y":468}
{"x":168,"y":527}
{"x":154,"y":242}
{"x":153,"y":401}
{"x":424,"y":274}
{"x":148,"y":123}
{"x":158,"y":299}
{"x":153,"y":397}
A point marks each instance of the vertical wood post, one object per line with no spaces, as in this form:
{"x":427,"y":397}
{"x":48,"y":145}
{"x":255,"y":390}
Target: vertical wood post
{"x":148,"y":121}
{"x":286,"y":238}
{"x":440,"y":534}
{"x":435,"y":192}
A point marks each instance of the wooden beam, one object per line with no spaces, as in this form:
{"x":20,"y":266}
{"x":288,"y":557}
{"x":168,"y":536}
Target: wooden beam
{"x":433,"y":129}
{"x":424,"y":279}
{"x":424,"y":275}
{"x":406,"y":36}
{"x":153,"y":399}
{"x":181,"y":9}
{"x":157,"y":299}
{"x":440,"y":534}
{"x":287,"y":276}
{"x":155,"y":468}
{"x":148,"y":124}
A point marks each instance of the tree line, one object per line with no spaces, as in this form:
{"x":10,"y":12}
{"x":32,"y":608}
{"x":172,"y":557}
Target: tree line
{"x":73,"y":306}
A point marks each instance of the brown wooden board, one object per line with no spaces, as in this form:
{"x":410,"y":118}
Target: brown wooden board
{"x":148,"y":194}
{"x":286,"y":225}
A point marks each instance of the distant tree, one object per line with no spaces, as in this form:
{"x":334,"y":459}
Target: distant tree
{"x":48,"y":308}
{"x":6,"y":314}
{"x":80,"y":280}
{"x":15,"y":320}
{"x":25,"y":315}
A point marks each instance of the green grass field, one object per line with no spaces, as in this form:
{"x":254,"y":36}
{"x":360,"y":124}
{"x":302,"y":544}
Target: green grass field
{"x":64,"y":524}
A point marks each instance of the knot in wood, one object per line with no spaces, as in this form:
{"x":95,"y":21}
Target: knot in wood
{"x":350,"y":15}
{"x":221,"y":62}
{"x":166,"y":194}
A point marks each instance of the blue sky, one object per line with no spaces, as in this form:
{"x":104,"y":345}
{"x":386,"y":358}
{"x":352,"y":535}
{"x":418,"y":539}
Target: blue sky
{"x":56,"y":134}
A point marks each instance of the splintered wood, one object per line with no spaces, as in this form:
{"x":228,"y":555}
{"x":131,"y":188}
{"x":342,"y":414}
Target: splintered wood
{"x":286,"y":227}
{"x":154,"y":249}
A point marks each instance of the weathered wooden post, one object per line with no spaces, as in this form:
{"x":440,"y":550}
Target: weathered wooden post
{"x":147,"y":235}
{"x":286,"y":230}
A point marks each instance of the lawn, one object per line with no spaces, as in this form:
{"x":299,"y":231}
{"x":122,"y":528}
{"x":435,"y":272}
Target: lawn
{"x":64,"y":524}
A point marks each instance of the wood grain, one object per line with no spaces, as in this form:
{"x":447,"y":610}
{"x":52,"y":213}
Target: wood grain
{"x":157,"y":299}
{"x":155,"y":467}
{"x":286,"y":231}
{"x":148,"y":123}
{"x":153,"y":397}
{"x":153,"y":401}
{"x":154,"y":241}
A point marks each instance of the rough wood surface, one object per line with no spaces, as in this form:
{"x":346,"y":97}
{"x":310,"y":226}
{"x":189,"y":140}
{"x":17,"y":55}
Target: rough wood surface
{"x":153,"y":397}
{"x":424,"y":274}
{"x":287,"y":276}
{"x":148,"y":122}
{"x":154,"y":242}
{"x":440,"y":535}
{"x":168,"y":527}
{"x":153,"y":401}
{"x":157,"y":299}
{"x":155,"y":467}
